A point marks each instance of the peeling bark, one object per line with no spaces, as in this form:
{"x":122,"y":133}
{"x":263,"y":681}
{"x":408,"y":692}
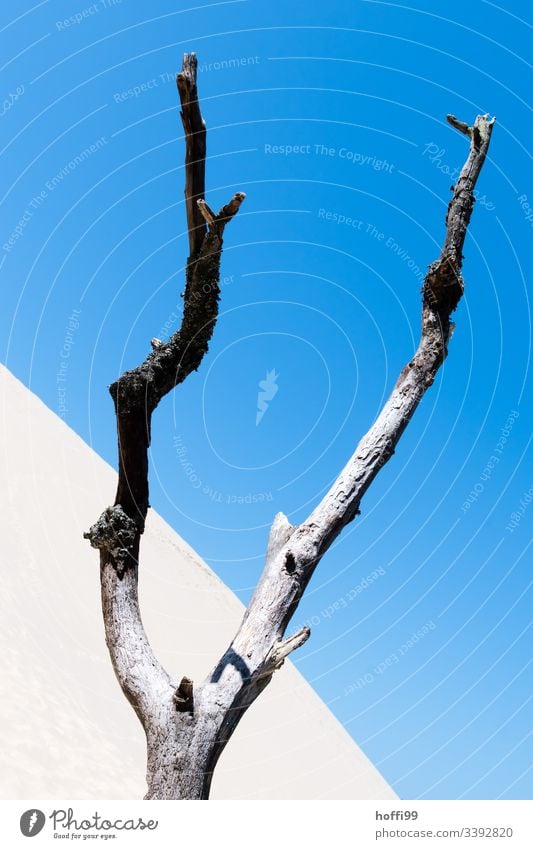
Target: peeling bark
{"x":187,"y":726}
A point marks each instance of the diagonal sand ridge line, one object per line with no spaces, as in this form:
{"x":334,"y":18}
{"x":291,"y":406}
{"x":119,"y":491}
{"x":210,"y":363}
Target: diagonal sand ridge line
{"x":67,"y":731}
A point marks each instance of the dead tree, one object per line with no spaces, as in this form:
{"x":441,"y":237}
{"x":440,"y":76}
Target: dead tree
{"x":188,"y":725}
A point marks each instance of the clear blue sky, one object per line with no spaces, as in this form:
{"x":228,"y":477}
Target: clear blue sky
{"x":331,"y":117}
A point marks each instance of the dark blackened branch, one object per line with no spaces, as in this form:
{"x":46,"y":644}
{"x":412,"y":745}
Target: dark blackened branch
{"x":230,"y":209}
{"x":195,"y":151}
{"x":136,"y":394}
{"x":172,"y":362}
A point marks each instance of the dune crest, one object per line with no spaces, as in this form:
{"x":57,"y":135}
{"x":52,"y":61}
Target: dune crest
{"x":67,"y":731}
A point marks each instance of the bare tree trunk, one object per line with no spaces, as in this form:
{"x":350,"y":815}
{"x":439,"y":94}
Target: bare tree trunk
{"x":187,"y":726}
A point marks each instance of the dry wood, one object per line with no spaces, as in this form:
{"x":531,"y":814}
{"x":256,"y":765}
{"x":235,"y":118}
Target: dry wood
{"x":187,"y":726}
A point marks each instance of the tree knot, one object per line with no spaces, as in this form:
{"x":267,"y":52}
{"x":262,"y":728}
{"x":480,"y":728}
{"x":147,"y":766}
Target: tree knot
{"x":290,"y":563}
{"x":115,"y":533}
{"x":443,"y":286}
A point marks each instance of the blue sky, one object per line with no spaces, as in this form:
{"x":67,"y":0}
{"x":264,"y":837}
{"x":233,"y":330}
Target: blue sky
{"x":331,"y":117}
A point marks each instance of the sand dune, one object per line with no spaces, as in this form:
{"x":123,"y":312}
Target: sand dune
{"x":66,"y":730}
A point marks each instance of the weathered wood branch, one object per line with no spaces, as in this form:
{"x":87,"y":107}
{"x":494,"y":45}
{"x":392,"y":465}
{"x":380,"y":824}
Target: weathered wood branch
{"x":294,"y":551}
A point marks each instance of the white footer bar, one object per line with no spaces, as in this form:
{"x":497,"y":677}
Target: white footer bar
{"x":269,"y":825}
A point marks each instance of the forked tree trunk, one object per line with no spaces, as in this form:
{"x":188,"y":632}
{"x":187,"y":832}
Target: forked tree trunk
{"x":188,"y":725}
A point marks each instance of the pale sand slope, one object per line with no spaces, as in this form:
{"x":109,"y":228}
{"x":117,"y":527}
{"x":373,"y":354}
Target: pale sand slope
{"x":66,"y":730}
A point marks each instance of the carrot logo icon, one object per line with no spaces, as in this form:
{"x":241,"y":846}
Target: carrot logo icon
{"x":268,"y":388}
{"x":32,"y":822}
